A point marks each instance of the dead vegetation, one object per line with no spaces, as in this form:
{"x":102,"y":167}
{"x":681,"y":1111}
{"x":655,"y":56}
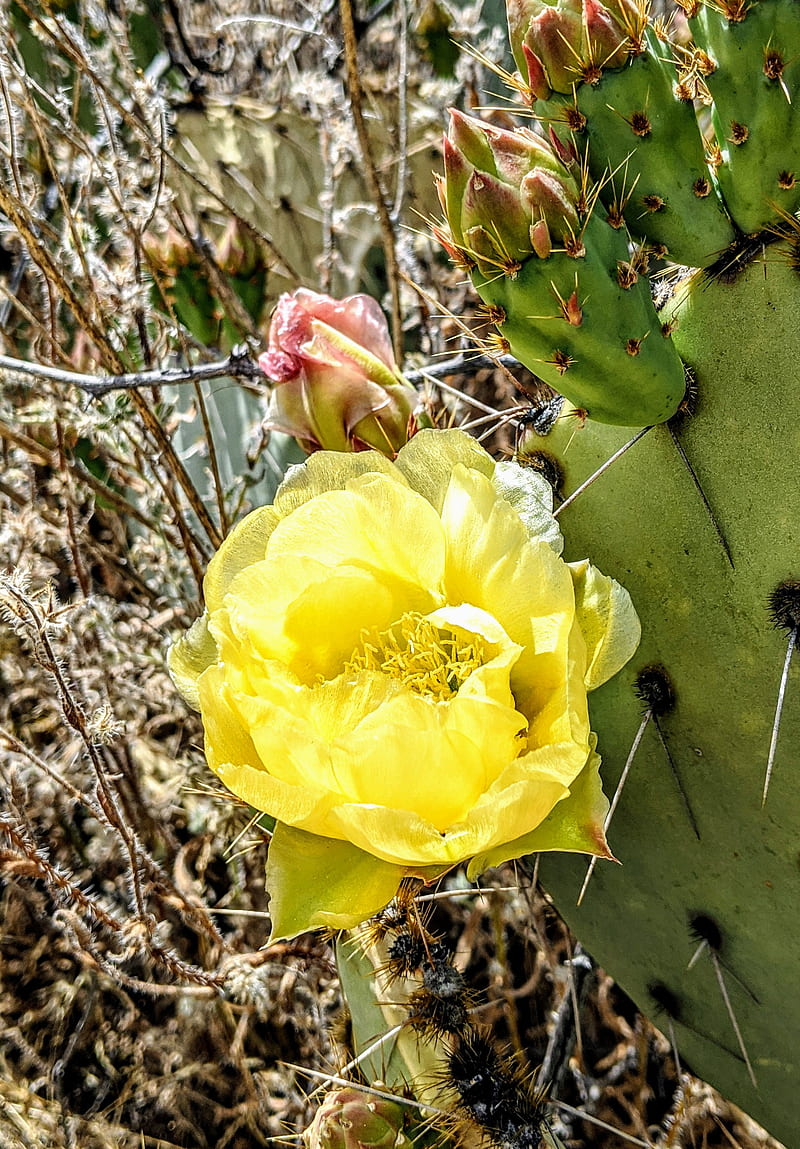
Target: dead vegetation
{"x":167,"y":171}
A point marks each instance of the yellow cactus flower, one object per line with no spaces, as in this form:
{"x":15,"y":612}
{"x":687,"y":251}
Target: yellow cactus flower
{"x":394,"y":663}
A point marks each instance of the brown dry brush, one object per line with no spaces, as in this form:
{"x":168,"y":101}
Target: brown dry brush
{"x":167,"y":170}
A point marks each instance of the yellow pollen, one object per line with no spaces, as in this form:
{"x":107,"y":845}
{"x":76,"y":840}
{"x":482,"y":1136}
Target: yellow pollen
{"x":429,"y":659}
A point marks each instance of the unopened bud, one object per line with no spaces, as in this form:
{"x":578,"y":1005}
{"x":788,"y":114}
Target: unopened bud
{"x":336,"y":384}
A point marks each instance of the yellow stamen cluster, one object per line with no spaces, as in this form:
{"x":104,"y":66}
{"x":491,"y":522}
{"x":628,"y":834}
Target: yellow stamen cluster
{"x":429,"y":659}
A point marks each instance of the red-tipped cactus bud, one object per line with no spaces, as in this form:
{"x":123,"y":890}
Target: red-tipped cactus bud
{"x":566,"y":152}
{"x":336,"y":384}
{"x":551,"y":199}
{"x":239,"y":250}
{"x":505,"y":195}
{"x":554,"y":35}
{"x":168,"y":253}
{"x":573,"y":313}
{"x":354,"y":1119}
{"x":541,"y":240}
{"x":537,"y":77}
{"x":563,"y":44}
{"x":470,"y":139}
{"x":494,"y":210}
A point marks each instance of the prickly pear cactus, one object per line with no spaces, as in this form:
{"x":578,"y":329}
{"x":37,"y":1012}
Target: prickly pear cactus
{"x":700,"y":517}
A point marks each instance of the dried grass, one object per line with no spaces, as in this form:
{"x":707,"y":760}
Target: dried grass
{"x":138,"y":1007}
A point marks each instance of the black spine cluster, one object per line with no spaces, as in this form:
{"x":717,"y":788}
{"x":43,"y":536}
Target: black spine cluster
{"x":490,"y":1089}
{"x":784,"y":606}
{"x":441,"y":1006}
{"x":494,"y":1094}
{"x":654,"y":690}
{"x":703,"y":928}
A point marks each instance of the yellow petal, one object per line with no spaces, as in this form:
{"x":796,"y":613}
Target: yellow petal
{"x":189,"y":656}
{"x":232,"y":755}
{"x":306,"y":615}
{"x":399,"y":836}
{"x":246,"y":544}
{"x":329,"y":471}
{"x":491,"y":563}
{"x":428,"y":459}
{"x":575,"y":824}
{"x":333,"y":571}
{"x":520,"y":799}
{"x":316,"y":882}
{"x":492,"y":679}
{"x":531,"y":496}
{"x":432,"y":759}
{"x":470,"y":619}
{"x":302,"y":734}
{"x":608,"y":621}
{"x":370,"y":525}
{"x":525,"y":792}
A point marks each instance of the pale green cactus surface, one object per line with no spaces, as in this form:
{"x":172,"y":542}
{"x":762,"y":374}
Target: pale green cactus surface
{"x":708,"y":625}
{"x":699,"y":518}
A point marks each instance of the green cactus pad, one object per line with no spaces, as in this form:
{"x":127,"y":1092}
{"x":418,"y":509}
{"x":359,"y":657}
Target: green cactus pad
{"x":637,"y":129}
{"x":708,"y":625}
{"x":615,"y":364}
{"x":756,"y":110}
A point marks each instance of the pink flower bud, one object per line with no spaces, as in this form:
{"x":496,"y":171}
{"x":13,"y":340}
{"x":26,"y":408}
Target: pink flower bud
{"x":558,"y":45}
{"x":556,"y":37}
{"x":336,"y":383}
{"x":606,"y":40}
{"x":491,"y":215}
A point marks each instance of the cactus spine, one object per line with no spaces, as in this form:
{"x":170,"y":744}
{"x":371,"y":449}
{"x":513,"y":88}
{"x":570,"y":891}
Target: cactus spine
{"x":699,"y":518}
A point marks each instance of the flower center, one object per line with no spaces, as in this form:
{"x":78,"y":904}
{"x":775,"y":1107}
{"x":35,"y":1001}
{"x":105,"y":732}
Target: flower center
{"x":429,"y":659}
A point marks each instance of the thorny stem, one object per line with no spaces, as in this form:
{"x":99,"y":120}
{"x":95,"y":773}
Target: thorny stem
{"x":63,"y":886}
{"x":57,"y":879}
{"x":213,"y":461}
{"x":238,"y":365}
{"x":76,"y":719}
{"x":192,"y":910}
{"x":105,"y":806}
{"x":384,"y":219}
